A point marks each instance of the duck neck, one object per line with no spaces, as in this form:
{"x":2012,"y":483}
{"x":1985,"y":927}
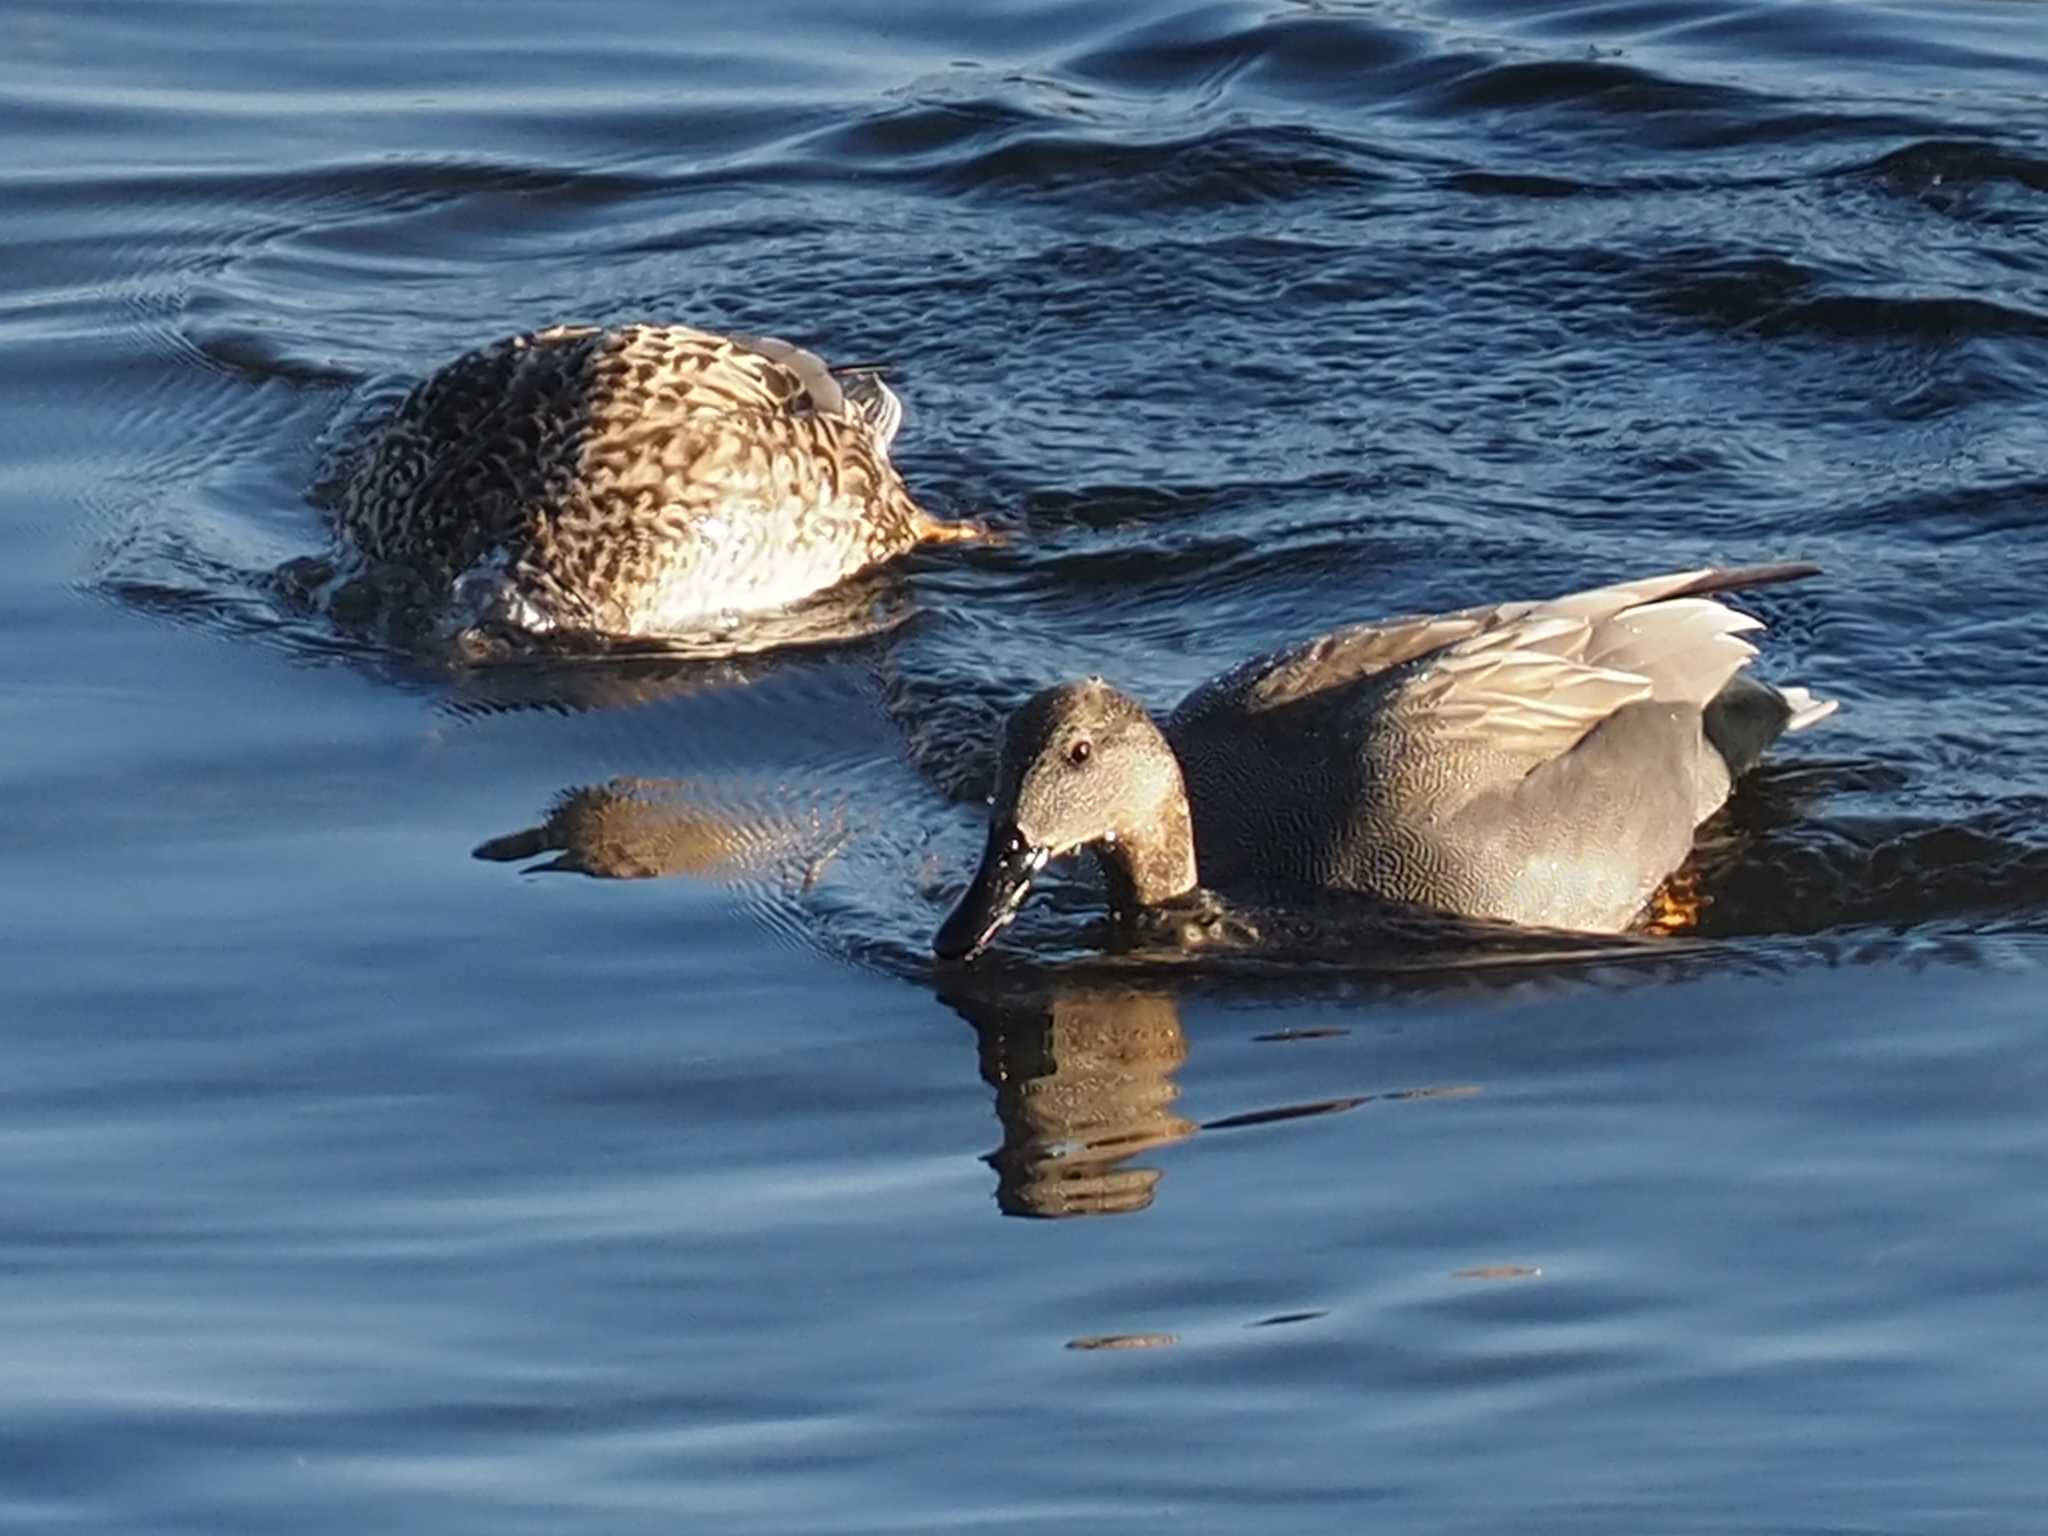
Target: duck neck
{"x":1153,"y":862}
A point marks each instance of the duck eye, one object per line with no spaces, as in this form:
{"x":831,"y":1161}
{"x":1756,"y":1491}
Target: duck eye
{"x":1014,"y":843}
{"x":1079,"y":752}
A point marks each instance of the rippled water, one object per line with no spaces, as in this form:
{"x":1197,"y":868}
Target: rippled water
{"x":356,"y":1181}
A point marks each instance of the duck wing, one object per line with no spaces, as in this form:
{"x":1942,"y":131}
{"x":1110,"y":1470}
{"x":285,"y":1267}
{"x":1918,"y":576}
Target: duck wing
{"x":1532,"y":679}
{"x":768,"y":373}
{"x":789,"y":377}
{"x":1532,"y":650}
{"x":1552,"y":767}
{"x":1534,"y":761}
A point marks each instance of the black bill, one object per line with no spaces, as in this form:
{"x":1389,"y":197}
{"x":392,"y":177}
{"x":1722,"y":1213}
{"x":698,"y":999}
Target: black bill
{"x":1008,"y":866}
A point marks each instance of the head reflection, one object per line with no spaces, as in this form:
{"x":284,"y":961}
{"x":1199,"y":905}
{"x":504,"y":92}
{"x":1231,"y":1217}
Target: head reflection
{"x":1084,"y":1084}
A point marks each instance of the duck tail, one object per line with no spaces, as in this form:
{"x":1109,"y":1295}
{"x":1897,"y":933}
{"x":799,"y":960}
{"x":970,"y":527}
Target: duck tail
{"x":1747,"y":715}
{"x":1729,"y":577}
{"x":1806,"y":709}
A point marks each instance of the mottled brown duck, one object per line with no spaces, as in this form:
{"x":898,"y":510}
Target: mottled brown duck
{"x":637,"y":481}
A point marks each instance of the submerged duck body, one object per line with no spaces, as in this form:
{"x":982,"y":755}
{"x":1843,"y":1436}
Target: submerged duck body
{"x":643,"y":480}
{"x":1542,"y":763}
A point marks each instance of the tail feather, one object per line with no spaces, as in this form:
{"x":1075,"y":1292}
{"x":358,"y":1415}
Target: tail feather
{"x":1747,"y":715}
{"x":1728,"y":578}
{"x":1806,"y":709}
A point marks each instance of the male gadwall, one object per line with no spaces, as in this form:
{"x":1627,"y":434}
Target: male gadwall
{"x":647,"y":480}
{"x":1541,"y":763}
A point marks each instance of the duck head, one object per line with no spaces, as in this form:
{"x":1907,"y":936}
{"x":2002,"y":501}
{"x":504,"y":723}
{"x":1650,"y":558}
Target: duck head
{"x":1082,"y":766}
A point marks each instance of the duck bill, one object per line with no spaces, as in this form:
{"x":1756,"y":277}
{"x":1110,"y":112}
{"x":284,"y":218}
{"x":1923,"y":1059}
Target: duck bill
{"x":1008,"y":867}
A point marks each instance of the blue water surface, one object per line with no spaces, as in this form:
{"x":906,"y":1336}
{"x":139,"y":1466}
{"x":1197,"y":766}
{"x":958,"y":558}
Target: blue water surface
{"x":349,"y":1182}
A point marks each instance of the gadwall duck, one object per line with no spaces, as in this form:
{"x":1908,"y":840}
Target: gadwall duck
{"x":647,"y":480}
{"x":1539,"y":763}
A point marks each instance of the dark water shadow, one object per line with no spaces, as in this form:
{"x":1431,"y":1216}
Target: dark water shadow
{"x":1774,"y":864}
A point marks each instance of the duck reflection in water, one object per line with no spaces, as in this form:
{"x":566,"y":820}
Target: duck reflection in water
{"x":1084,"y":1083}
{"x":643,"y":829}
{"x":1083,"y":1063}
{"x":1084,"y":1072}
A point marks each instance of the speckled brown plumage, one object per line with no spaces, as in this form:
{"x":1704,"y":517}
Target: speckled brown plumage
{"x":639,"y":481}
